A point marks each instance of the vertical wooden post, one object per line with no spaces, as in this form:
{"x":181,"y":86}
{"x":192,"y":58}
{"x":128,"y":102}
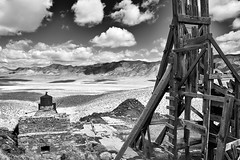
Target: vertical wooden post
{"x":224,"y":127}
{"x":174,"y":86}
{"x":204,"y":8}
{"x":237,"y":110}
{"x":158,"y":92}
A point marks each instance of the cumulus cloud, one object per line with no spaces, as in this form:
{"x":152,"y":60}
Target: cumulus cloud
{"x":114,"y":37}
{"x":221,"y":10}
{"x":130,"y":13}
{"x":229,"y":42}
{"x":15,"y":54}
{"x":147,"y":3}
{"x":88,"y":12}
{"x":19,"y":45}
{"x":22,"y":15}
{"x":236,"y":23}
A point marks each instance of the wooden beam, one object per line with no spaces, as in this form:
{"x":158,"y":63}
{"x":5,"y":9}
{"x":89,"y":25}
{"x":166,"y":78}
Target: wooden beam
{"x":192,"y":67}
{"x":204,"y":96}
{"x":166,"y":52}
{"x":224,"y":128}
{"x":204,"y":8}
{"x":229,"y":145}
{"x":214,"y":43}
{"x":191,"y":143}
{"x":149,"y":109}
{"x":196,"y":112}
{"x":217,"y":118}
{"x":237,"y":110}
{"x":194,"y":20}
{"x":197,"y":40}
{"x":194,"y":127}
{"x":189,"y":48}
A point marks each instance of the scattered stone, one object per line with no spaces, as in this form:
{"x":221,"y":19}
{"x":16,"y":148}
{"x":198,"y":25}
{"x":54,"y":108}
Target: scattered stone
{"x":92,"y":156}
{"x":99,"y":148}
{"x":105,"y":156}
{"x":114,"y":155}
{"x":130,"y":107}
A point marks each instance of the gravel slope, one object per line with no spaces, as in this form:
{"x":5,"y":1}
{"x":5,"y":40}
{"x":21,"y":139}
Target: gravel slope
{"x":11,"y":110}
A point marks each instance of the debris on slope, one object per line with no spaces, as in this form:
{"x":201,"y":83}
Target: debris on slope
{"x":129,"y":108}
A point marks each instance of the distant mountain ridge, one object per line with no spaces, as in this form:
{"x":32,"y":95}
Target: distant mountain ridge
{"x":121,"y":68}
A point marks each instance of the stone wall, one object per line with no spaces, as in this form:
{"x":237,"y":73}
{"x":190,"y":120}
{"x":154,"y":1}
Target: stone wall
{"x":46,"y":143}
{"x":43,"y":124}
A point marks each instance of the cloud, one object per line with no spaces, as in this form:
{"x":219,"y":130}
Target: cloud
{"x":221,"y":10}
{"x":114,"y":37}
{"x":130,"y":13}
{"x":108,"y":56}
{"x":88,"y":12}
{"x":161,"y":43}
{"x":229,"y":42}
{"x":22,"y":15}
{"x":19,"y":45}
{"x":16,"y":54}
{"x":25,"y":53}
{"x":236,"y":23}
{"x":147,"y":3}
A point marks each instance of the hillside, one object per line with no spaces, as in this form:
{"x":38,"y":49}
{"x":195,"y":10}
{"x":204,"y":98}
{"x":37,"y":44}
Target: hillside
{"x":116,"y":69}
{"x":121,"y":68}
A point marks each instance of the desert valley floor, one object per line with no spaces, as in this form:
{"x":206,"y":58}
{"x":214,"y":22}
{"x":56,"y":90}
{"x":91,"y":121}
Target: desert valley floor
{"x":78,"y":97}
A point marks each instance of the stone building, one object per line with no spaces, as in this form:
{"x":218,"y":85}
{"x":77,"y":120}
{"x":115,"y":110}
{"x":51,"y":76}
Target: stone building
{"x":47,"y":132}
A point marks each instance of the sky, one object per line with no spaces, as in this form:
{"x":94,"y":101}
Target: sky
{"x":83,"y":32}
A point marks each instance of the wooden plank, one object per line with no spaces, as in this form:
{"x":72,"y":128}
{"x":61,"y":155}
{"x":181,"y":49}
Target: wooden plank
{"x":215,"y":76}
{"x":224,"y":128}
{"x":192,"y":67}
{"x":183,"y":5}
{"x":194,"y":127}
{"x":149,"y":109}
{"x":204,"y":8}
{"x":171,"y":98}
{"x":170,"y":126}
{"x":204,"y":96}
{"x":170,"y":117}
{"x":190,"y":47}
{"x":229,"y":145}
{"x":196,"y":112}
{"x":170,"y":144}
{"x":166,"y":52}
{"x":191,"y":143}
{"x":236,"y":125}
{"x":195,"y":7}
{"x":171,"y":107}
{"x":197,"y":40}
{"x":193,"y":20}
{"x":207,"y":88}
{"x":188,"y":100}
{"x":219,"y":89}
{"x":170,"y":135}
{"x":169,"y":153}
{"x":214,"y":43}
{"x":161,"y":136}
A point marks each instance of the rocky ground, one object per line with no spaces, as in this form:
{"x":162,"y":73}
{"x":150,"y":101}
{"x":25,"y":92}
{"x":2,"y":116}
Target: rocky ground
{"x":103,"y":133}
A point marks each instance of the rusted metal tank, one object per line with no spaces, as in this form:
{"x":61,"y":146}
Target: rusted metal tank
{"x":46,"y":100}
{"x":46,"y":103}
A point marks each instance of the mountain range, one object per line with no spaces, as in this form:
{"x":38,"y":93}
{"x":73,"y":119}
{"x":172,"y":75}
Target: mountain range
{"x":121,"y":68}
